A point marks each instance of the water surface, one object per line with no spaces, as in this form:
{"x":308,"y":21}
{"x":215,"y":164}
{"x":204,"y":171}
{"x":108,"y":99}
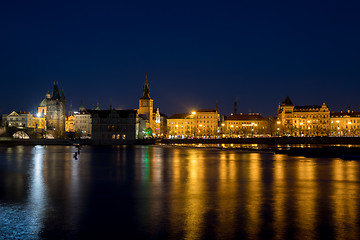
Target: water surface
{"x":159,"y":192}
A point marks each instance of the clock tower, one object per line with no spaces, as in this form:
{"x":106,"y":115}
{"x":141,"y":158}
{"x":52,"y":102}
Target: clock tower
{"x":146,"y":104}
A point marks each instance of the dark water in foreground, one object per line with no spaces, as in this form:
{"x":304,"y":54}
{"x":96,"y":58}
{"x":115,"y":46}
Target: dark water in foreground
{"x":158,"y":192}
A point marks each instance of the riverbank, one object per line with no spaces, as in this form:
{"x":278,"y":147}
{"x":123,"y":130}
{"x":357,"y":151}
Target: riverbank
{"x":335,"y":147}
{"x":265,"y":140}
{"x":268,"y":140}
{"x":10,"y":141}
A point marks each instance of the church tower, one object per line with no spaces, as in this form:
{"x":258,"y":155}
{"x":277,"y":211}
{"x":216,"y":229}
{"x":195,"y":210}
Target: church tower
{"x":146,"y":104}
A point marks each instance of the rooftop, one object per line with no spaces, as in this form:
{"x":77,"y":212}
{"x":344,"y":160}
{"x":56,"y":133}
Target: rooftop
{"x":245,"y":117}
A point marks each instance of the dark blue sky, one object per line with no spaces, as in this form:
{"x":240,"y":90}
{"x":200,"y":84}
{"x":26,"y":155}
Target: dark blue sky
{"x":195,"y":53}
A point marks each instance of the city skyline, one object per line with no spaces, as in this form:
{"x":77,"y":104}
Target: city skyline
{"x":91,"y":104}
{"x":195,"y":54}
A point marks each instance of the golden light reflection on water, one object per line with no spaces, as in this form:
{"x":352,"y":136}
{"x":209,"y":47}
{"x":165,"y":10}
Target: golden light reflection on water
{"x":305,"y":196}
{"x":279,"y":190}
{"x":195,"y":199}
{"x":345,"y":198}
{"x":191,"y":193}
{"x":176,"y":203}
{"x":254,"y":194}
{"x":227,"y":195}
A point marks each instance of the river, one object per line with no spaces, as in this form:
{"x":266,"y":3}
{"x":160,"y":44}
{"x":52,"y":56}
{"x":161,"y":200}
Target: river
{"x":169,"y":192}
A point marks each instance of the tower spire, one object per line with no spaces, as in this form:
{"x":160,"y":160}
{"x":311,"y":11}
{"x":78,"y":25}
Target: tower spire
{"x":146,"y":89}
{"x":56,"y":93}
{"x":71,"y":108}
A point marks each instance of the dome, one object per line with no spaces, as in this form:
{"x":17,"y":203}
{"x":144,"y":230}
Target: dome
{"x":43,"y":103}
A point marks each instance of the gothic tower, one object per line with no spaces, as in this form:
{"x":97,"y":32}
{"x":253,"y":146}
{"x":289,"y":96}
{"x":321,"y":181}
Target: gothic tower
{"x":53,"y":109}
{"x":146,"y":104}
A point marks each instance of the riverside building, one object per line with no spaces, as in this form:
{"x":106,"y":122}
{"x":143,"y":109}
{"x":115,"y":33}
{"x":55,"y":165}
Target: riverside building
{"x":53,"y":109}
{"x":83,"y":122}
{"x":148,"y":113}
{"x":246,"y":125}
{"x":308,"y":120}
{"x":197,"y":124}
{"x":345,"y":123}
{"x":116,"y":126}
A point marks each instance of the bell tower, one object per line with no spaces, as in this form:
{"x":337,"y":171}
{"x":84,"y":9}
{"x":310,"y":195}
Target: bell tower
{"x":146,"y":104}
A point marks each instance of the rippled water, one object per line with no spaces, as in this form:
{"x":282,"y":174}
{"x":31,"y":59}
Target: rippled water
{"x":157,"y":192}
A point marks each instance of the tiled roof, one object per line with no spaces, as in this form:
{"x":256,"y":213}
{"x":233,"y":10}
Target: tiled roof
{"x":245,"y":117}
{"x":287,"y":101}
{"x":306,"y":107}
{"x":206,"y":110}
{"x":178,"y":116}
{"x":342,"y":114}
{"x":105,"y":113}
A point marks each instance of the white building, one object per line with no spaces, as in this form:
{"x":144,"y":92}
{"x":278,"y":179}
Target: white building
{"x":20,"y":120}
{"x":82,"y":121}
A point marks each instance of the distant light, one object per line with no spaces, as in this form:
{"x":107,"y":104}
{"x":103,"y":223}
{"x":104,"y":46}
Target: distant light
{"x":38,"y":115}
{"x":278,"y":122}
{"x":349,"y":122}
{"x":76,"y":112}
{"x":193,"y":113}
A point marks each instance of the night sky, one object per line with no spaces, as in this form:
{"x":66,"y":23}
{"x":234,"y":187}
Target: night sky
{"x":194,"y":52}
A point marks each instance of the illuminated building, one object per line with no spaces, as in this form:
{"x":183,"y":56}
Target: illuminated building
{"x":20,"y":120}
{"x":82,"y":122}
{"x":39,"y":122}
{"x":345,"y":123}
{"x":116,"y":126}
{"x":243,"y":125}
{"x":53,"y":109}
{"x":148,"y":113}
{"x":70,"y":123}
{"x":308,"y":120}
{"x":200,"y":123}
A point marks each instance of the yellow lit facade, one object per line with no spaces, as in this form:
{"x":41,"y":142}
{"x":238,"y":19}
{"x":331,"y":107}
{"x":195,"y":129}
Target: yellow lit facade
{"x":345,"y":123}
{"x":244,"y":125}
{"x":148,"y":112}
{"x":200,"y":123}
{"x":309,"y":120}
{"x":39,"y":122}
{"x":69,"y":123}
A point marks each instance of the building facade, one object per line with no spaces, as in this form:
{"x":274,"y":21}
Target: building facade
{"x":116,"y":127}
{"x":20,"y":120}
{"x":345,"y":123}
{"x":246,"y":125}
{"x":83,"y":122}
{"x":70,"y":123}
{"x":308,"y":120}
{"x":197,"y":124}
{"x":53,"y":109}
{"x":148,"y":113}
